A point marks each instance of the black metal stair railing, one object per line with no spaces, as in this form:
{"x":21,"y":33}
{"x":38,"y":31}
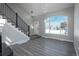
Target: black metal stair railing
{"x":22,"y":25}
{"x":14,"y":18}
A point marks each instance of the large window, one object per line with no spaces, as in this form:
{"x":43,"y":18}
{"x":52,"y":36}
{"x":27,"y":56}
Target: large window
{"x":56,"y":25}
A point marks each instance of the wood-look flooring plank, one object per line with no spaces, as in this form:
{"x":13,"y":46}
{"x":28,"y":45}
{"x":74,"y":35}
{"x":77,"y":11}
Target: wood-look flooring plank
{"x":44,"y":47}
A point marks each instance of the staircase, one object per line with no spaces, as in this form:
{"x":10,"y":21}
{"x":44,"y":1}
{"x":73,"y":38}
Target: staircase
{"x":13,"y":23}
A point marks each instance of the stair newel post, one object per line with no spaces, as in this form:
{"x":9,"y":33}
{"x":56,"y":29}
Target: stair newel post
{"x":16,"y":20}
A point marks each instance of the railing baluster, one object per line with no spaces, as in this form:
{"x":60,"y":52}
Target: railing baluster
{"x":28,"y":30}
{"x":16,"y":20}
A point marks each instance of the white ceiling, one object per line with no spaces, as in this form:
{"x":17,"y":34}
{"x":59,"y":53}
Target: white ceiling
{"x":41,"y":8}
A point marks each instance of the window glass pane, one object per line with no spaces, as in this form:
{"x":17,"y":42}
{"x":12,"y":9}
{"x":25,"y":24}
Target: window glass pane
{"x":56,"y":25}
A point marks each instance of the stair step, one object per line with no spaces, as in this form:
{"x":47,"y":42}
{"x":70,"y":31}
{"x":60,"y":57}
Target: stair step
{"x":8,"y":20}
{"x":1,"y":17}
{"x":13,"y":24}
{"x":4,"y":17}
{"x":19,"y":29}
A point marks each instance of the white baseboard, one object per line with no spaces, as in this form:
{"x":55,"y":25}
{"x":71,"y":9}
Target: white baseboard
{"x":59,"y":39}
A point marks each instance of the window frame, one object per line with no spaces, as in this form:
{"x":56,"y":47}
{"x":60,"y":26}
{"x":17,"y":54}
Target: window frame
{"x":66,"y":30}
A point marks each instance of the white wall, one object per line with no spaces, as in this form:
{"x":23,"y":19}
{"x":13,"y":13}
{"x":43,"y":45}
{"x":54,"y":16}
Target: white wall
{"x":76,"y":28}
{"x":66,"y":12}
{"x":12,"y":35}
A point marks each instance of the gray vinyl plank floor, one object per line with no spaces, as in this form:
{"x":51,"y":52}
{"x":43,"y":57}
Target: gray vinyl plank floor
{"x":44,"y":47}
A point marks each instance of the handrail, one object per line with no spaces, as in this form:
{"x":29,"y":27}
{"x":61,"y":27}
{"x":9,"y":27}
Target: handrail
{"x":12,"y":16}
{"x":10,"y":8}
{"x":16,"y":20}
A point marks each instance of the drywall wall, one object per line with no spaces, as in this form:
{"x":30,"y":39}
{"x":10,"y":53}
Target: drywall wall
{"x":76,"y":28}
{"x":11,"y":35}
{"x":66,"y":12}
